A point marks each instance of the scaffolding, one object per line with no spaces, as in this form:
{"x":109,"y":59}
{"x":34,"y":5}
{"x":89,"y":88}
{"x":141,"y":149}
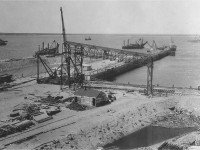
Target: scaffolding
{"x":73,"y":60}
{"x":71,"y":63}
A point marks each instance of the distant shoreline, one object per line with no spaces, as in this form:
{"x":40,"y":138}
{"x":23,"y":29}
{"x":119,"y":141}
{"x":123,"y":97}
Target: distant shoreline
{"x":97,"y":34}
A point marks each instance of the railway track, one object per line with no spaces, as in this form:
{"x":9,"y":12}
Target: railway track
{"x":12,"y":138}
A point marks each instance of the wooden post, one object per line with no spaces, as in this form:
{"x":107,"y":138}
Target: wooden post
{"x":61,"y":71}
{"x":42,"y":45}
{"x":37,"y":55}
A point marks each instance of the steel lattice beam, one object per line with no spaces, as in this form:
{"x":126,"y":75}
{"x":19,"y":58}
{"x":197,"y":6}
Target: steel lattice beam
{"x":73,"y":63}
{"x":150,"y":76}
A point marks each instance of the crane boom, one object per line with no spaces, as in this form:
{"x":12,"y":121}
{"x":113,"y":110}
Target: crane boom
{"x":67,"y":51}
{"x":63,"y":26}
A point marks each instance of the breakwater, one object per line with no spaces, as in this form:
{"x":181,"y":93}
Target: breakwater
{"x":112,"y":72}
{"x":25,"y":67}
{"x":13,"y":64}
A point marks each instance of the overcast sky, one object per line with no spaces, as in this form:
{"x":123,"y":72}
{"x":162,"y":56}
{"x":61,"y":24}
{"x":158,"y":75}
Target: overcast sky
{"x":101,"y":16}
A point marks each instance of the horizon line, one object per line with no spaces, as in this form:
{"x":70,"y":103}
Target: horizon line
{"x":36,"y":33}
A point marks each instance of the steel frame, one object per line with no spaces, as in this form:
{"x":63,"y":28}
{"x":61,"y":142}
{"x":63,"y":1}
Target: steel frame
{"x":73,"y":62}
{"x":150,"y":76}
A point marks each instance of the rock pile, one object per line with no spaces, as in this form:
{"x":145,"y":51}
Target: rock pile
{"x":76,"y":106}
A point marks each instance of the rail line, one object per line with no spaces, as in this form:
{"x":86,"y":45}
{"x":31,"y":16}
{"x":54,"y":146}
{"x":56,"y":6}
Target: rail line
{"x":12,"y":136}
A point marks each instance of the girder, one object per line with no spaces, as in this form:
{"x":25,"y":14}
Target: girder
{"x":95,"y":48}
{"x":150,"y":76}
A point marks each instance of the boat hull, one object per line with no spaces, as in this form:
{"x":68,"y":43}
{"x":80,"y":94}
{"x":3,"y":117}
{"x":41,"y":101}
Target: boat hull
{"x":132,"y":47}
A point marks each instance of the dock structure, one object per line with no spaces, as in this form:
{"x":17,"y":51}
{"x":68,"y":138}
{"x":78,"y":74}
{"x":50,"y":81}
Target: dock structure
{"x":94,"y":50}
{"x":125,"y":60}
{"x":72,"y":56}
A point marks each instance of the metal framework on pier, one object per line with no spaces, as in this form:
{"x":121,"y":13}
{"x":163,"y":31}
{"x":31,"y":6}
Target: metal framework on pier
{"x":150,"y":76}
{"x":73,"y":60}
{"x":72,"y":64}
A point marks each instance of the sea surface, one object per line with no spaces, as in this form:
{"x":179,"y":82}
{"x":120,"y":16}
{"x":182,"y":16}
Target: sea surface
{"x":182,"y":70}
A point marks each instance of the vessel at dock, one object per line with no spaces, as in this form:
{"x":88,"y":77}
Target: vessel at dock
{"x":172,"y":45}
{"x":3,"y":43}
{"x":139,"y":44}
{"x":87,"y":39}
{"x":154,"y":46}
{"x":195,"y":40}
{"x":49,"y":51}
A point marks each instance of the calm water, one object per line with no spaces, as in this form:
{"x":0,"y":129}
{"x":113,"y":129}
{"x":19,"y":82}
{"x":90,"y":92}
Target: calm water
{"x":148,"y":136}
{"x":181,"y":70}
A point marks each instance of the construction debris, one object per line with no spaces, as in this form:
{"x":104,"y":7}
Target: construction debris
{"x":76,"y":106}
{"x":6,"y":129}
{"x":69,"y":99}
{"x":53,"y":110}
{"x":177,"y":118}
{"x":51,"y":100}
{"x":169,"y":146}
{"x":29,"y":108}
{"x":23,"y":125}
{"x":14,"y":127}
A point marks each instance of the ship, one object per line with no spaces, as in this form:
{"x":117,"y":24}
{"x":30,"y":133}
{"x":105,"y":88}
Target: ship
{"x":172,"y":46}
{"x":138,"y":44}
{"x":49,"y":51}
{"x":89,"y":38}
{"x":162,"y":47}
{"x":3,"y":43}
{"x":195,"y":40}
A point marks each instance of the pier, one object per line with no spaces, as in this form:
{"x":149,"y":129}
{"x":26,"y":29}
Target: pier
{"x":119,"y":61}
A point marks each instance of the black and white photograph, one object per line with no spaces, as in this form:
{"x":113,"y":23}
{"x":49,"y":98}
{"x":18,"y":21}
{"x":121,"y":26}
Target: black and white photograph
{"x":99,"y":75}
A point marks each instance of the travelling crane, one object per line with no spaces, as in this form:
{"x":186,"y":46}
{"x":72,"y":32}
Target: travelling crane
{"x":73,"y":57}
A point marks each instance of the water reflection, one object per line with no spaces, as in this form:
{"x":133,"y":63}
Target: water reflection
{"x":148,"y":136}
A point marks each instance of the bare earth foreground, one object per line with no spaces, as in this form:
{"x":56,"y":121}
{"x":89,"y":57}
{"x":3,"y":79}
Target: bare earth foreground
{"x":90,"y":128}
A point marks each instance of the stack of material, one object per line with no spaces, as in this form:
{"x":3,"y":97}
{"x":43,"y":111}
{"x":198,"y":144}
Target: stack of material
{"x":23,"y":125}
{"x":51,"y":100}
{"x":42,"y":118}
{"x":166,"y":146}
{"x":76,"y":106}
{"x":53,"y":110}
{"x":28,"y":108}
{"x":69,"y":99}
{"x":6,"y":129}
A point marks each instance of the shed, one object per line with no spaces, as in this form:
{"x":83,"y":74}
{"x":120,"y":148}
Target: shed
{"x":90,"y":97}
{"x":87,"y":67}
